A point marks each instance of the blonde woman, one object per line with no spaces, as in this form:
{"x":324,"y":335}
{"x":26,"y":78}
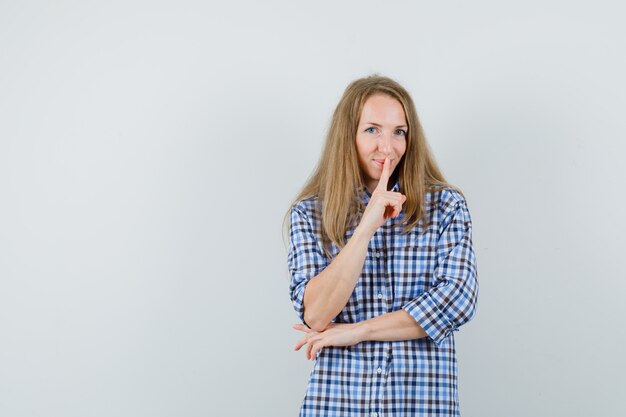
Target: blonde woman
{"x":382,"y":269}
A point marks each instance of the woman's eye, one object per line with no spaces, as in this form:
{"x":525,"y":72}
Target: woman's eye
{"x":401,"y":132}
{"x":371,"y":130}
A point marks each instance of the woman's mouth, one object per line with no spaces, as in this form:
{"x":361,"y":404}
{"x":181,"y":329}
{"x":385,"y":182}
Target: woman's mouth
{"x":381,"y":162}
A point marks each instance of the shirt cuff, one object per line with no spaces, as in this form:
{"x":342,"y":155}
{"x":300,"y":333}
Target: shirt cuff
{"x":429,"y":316}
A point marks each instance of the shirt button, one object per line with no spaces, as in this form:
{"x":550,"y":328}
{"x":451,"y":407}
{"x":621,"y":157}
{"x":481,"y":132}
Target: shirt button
{"x":374,"y":414}
{"x":380,"y":296}
{"x":377,"y":254}
{"x":379,"y":370}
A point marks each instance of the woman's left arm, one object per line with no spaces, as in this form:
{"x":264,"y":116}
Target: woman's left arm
{"x":397,"y":325}
{"x":451,"y":303}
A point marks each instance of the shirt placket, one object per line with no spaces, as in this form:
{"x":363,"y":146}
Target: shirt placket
{"x":382,"y":292}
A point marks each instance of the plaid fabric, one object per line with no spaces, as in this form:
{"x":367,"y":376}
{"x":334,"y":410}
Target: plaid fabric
{"x":429,"y":273}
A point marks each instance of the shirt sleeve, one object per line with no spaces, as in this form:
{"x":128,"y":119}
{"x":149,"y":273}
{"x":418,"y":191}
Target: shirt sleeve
{"x":452,"y":301}
{"x":305,"y":258}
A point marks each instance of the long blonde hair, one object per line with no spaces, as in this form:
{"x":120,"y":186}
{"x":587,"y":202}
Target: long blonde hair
{"x":337,"y":180}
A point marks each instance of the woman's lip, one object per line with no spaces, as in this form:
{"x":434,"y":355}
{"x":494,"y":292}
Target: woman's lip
{"x":381,"y":162}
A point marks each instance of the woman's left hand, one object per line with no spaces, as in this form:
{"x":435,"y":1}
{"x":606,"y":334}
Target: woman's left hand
{"x":336,"y":334}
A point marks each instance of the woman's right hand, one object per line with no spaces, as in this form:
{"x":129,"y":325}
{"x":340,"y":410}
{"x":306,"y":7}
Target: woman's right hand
{"x":383,"y":204}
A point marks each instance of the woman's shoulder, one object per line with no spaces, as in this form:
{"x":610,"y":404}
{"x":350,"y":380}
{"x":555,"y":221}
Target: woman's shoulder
{"x":305,"y":206}
{"x":444,"y":198}
{"x":306,"y":203}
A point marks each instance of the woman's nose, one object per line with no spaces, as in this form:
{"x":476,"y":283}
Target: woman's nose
{"x":384,"y":143}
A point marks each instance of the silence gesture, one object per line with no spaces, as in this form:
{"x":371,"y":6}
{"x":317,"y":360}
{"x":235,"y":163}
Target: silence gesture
{"x":383,"y":204}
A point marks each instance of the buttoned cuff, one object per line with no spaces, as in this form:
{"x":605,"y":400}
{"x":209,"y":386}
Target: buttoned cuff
{"x":297,"y":297}
{"x":429,"y":316}
{"x":298,"y":303}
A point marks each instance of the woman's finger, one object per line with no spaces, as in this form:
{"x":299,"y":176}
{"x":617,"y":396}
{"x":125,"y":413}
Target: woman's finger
{"x":302,"y":327}
{"x":307,"y":352}
{"x":384,"y":176}
{"x":313,"y":341}
{"x":301,"y":342}
{"x":393,"y":203}
{"x":319,"y":345}
{"x":393,"y":207}
{"x":398,"y":209}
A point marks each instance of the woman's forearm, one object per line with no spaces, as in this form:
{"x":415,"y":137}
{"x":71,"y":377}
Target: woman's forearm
{"x":398,"y":325}
{"x":327,"y":293}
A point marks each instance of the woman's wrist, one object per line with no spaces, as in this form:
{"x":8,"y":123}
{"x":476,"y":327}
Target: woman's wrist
{"x":361,"y":233}
{"x":362,"y":330}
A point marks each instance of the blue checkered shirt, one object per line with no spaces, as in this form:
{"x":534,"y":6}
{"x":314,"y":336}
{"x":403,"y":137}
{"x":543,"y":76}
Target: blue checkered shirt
{"x":429,"y":273}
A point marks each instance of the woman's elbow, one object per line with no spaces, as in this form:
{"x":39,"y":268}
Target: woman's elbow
{"x":315,"y":323}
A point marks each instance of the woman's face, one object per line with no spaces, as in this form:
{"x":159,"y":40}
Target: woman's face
{"x":381,"y":133}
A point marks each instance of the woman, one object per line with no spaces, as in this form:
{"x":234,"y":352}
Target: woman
{"x":381,"y":263}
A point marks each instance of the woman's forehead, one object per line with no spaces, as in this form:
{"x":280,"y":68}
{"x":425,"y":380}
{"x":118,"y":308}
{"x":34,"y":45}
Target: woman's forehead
{"x":381,"y":108}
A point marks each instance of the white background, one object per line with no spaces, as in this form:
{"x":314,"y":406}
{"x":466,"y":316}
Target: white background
{"x":149,"y":150}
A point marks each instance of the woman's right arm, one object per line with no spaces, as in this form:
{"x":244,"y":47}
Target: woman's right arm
{"x":327,"y":293}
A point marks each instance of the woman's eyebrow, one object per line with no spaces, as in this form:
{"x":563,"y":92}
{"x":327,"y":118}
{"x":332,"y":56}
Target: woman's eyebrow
{"x":377,"y":125}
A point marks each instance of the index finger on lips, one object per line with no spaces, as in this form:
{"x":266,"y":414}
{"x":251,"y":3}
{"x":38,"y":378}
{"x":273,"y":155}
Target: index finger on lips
{"x":384,"y":176}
